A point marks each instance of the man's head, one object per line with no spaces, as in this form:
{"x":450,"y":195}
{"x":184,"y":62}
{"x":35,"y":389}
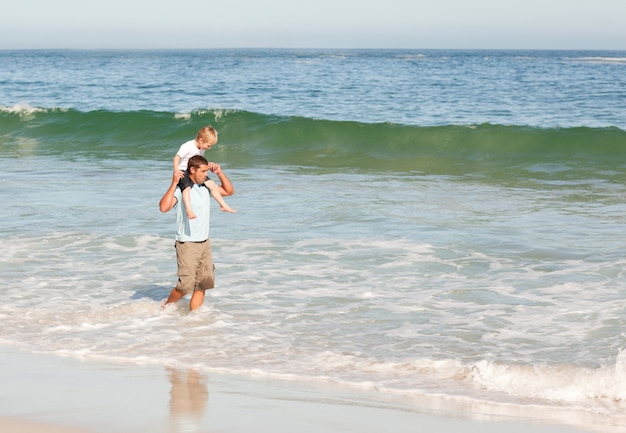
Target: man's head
{"x":206,"y":138}
{"x":198,"y":169}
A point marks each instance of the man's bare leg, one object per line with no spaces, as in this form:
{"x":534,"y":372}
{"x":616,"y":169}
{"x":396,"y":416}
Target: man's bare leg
{"x":175,"y":296}
{"x":196,"y":300}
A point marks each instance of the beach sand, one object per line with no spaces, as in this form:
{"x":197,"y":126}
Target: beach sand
{"x":54,"y":394}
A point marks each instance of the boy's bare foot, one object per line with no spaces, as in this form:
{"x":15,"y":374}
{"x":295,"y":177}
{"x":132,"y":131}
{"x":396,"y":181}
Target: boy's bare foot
{"x":228,"y":209}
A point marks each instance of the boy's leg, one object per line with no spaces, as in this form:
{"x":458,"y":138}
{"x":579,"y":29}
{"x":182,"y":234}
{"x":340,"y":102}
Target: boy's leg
{"x":187,"y":202}
{"x":215,"y":193}
{"x":185,"y":184}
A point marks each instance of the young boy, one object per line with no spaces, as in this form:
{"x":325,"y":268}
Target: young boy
{"x":205,"y":139}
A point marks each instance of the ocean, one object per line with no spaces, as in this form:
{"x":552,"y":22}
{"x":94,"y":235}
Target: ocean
{"x":410,"y":222}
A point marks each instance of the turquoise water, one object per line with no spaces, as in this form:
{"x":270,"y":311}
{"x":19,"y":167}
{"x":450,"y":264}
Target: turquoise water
{"x":416,"y":222}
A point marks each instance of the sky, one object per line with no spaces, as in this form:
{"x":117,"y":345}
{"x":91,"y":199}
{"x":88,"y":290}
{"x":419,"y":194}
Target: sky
{"x":417,"y":24}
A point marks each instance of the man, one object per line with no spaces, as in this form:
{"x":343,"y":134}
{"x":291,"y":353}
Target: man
{"x":193,"y":247}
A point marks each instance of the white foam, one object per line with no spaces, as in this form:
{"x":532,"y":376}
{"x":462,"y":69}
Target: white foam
{"x":23,"y":109}
{"x":604,"y":59}
{"x":557,"y":383}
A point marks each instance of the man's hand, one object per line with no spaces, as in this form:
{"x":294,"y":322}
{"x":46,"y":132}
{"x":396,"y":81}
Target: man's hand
{"x":177,"y":176}
{"x":168,"y":201}
{"x":215,"y":168}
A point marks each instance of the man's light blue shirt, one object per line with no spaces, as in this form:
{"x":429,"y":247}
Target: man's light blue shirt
{"x":196,"y":229}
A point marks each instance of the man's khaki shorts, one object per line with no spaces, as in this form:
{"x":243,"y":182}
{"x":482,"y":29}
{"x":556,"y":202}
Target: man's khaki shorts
{"x":195,"y":266}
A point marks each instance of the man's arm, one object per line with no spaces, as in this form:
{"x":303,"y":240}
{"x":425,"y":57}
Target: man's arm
{"x":226,"y":187}
{"x":168,"y":201}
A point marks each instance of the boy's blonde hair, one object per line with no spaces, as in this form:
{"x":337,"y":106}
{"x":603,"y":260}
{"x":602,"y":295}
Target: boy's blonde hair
{"x":207,"y":134}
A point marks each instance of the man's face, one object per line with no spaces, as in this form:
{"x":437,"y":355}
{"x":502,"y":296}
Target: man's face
{"x":199,"y":174}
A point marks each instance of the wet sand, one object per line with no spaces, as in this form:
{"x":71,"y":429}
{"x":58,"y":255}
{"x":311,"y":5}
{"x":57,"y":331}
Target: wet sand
{"x":53,"y":394}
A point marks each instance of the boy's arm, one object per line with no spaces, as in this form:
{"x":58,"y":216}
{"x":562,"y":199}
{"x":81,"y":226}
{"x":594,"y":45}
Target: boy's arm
{"x":176,"y":161}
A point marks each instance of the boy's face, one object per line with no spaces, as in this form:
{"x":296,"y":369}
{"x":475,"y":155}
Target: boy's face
{"x":199,"y":175}
{"x":206,"y":144}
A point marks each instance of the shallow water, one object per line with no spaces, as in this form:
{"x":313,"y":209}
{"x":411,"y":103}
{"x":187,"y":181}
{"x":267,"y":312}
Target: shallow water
{"x":494,"y":273}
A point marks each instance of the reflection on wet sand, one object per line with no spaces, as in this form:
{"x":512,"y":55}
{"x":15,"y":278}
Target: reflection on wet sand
{"x":188,"y":399}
